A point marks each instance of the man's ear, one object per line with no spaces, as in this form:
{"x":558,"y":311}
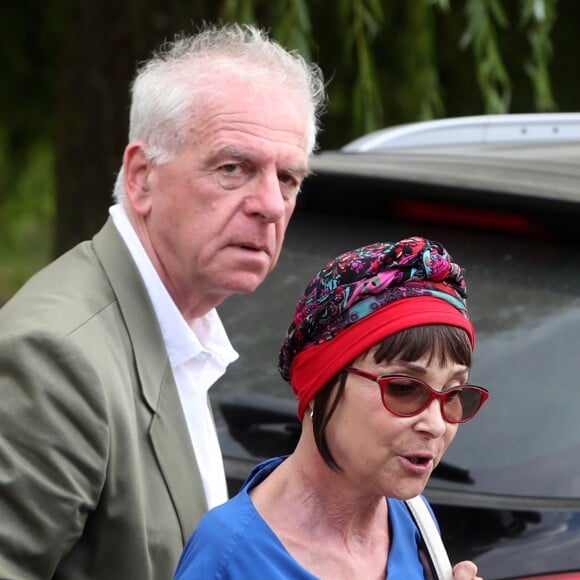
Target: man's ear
{"x":136,"y":168}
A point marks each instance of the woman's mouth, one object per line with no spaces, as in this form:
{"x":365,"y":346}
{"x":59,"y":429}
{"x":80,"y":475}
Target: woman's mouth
{"x":418,"y":463}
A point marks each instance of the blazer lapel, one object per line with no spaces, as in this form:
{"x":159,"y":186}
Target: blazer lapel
{"x":168,"y":429}
{"x":182,"y":477}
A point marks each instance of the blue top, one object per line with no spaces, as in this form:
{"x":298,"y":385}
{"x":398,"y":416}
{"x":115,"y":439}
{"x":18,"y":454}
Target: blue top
{"x":233,"y":542}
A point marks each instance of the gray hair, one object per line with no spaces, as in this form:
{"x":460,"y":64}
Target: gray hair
{"x":166,"y":87}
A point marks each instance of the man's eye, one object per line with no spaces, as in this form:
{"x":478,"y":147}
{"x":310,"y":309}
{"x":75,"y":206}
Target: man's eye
{"x":231,"y":168}
{"x":290,"y":183}
{"x":290,"y":179}
{"x":232,"y":175}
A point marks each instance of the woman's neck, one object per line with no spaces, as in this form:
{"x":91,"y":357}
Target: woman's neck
{"x":326,"y":527}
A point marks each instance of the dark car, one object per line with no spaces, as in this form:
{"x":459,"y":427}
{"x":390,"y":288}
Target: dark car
{"x":502,"y":193}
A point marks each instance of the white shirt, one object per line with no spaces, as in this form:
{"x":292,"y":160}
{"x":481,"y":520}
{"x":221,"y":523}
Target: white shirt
{"x":199,"y":355}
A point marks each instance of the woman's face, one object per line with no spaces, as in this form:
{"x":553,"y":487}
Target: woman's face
{"x":382,"y":454}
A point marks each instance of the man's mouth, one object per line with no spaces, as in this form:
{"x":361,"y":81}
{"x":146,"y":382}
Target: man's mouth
{"x":251,"y":247}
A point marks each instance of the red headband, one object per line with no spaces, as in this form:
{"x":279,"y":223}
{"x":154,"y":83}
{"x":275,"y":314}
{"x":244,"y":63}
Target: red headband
{"x":314,"y":366}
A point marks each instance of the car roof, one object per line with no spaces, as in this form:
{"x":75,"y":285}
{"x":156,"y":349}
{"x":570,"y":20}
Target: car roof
{"x":544,"y":170}
{"x":480,"y":129}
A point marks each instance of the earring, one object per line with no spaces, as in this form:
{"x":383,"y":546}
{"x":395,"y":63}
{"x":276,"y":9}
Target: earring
{"x":311,"y":413}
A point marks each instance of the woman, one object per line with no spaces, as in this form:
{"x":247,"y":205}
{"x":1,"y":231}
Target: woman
{"x":378,"y":355}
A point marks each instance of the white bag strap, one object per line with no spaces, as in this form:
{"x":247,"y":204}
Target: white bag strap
{"x":432,"y":538}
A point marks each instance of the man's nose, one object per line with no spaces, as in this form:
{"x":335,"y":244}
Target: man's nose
{"x":265,"y":197}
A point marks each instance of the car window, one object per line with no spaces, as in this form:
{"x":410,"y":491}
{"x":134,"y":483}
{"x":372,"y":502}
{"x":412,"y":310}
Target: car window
{"x":524,"y":299}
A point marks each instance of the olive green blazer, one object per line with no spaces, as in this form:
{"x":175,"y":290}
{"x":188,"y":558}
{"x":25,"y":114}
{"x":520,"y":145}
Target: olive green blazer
{"x":97,"y":472}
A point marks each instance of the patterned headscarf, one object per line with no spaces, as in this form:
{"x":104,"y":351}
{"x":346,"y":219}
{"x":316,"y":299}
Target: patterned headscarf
{"x":363,"y":296}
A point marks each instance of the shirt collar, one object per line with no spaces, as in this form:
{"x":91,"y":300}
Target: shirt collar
{"x":183,"y":341}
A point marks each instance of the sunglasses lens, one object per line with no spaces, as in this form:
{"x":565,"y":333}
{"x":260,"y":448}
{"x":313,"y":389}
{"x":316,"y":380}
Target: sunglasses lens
{"x":462,"y":404}
{"x":404,"y":395}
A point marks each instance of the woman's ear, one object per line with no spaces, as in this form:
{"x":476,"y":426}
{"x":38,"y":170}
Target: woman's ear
{"x":136,"y":168}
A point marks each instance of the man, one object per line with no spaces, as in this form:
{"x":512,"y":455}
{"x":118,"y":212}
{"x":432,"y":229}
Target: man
{"x":108,"y":450}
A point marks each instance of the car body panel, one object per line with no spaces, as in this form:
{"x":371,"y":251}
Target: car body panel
{"x":546,"y":172}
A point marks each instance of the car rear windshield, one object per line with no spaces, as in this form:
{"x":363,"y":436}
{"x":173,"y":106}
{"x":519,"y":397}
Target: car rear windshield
{"x":524,"y":300}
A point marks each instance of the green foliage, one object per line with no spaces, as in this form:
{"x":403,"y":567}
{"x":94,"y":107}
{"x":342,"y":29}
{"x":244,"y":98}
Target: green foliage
{"x":287,"y":20}
{"x":368,"y":90}
{"x":26,"y":216}
{"x":292,"y":27}
{"x":539,"y":16}
{"x":484,"y":17}
{"x":236,"y":11}
{"x":360,"y":21}
{"x":418,"y":54}
{"x":28,"y":50}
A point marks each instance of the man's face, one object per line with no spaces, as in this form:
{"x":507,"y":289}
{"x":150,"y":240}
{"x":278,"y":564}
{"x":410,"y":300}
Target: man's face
{"x":218,"y":212}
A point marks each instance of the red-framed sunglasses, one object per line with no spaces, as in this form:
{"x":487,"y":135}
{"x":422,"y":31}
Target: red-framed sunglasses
{"x":406,"y":396}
